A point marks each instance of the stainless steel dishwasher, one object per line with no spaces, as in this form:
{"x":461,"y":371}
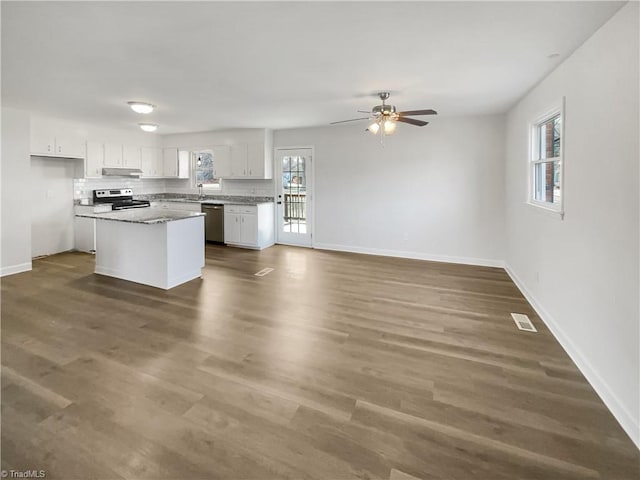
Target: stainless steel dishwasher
{"x":213,"y":223}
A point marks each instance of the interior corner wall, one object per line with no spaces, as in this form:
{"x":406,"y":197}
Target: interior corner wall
{"x":433,"y":193}
{"x":15,"y":249}
{"x":582,"y":273}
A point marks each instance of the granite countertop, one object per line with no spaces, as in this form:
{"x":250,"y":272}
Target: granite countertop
{"x":149,"y":216}
{"x":190,"y":198}
{"x":213,"y":201}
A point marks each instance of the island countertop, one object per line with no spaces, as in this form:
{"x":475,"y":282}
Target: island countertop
{"x":149,"y":215}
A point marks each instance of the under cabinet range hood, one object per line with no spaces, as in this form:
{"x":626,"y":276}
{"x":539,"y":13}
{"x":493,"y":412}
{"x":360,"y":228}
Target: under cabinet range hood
{"x":121,"y":172}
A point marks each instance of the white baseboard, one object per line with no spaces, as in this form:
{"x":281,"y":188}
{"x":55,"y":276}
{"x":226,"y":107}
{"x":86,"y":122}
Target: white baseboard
{"x":630,"y":425}
{"x":483,"y":262}
{"x":12,"y":269}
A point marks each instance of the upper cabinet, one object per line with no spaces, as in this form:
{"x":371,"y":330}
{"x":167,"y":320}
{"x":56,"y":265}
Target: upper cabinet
{"x":252,"y":160}
{"x":175,"y":163}
{"x":50,"y":139}
{"x":113,"y":155}
{"x":151,"y":162}
{"x":131,"y":156}
{"x":170,"y":162}
{"x":95,"y":160}
{"x":221,"y":161}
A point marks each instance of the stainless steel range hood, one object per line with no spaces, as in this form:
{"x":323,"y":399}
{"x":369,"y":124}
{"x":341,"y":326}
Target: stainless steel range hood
{"x":121,"y":172}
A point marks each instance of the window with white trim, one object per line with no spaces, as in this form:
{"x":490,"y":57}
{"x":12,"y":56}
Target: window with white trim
{"x":202,"y":162}
{"x":546,"y":168}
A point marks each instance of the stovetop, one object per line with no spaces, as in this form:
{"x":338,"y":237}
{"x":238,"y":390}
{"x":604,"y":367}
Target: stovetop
{"x":124,"y":204}
{"x":119,"y":198}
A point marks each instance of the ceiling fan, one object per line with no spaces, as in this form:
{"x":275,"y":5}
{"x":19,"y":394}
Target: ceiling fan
{"x":384,"y":117}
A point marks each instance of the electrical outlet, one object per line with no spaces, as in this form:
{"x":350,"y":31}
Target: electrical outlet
{"x":406,"y":236}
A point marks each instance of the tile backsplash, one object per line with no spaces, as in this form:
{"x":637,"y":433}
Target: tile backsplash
{"x":83,"y":187}
{"x":229,"y":187}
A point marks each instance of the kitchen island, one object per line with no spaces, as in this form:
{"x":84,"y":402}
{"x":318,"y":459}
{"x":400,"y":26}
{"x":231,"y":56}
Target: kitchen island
{"x":153,"y":246}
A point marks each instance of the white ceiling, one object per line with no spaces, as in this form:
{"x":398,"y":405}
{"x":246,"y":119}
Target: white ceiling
{"x":212,"y":65}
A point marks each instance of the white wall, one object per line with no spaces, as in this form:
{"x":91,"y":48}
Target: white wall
{"x":52,"y":215}
{"x":581,"y":273}
{"x":434,"y":192}
{"x":15,"y":250}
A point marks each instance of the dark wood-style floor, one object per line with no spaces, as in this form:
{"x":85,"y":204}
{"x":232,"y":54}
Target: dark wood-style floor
{"x":333,"y":366}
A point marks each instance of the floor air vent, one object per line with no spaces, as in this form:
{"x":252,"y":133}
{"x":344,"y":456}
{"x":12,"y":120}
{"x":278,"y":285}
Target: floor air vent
{"x":263,"y":272}
{"x":523,"y":322}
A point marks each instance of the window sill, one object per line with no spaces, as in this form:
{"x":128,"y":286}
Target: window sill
{"x":547,"y":210}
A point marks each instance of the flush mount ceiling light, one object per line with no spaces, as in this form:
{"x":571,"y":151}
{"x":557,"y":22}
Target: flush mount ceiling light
{"x":141,"y":107}
{"x":148,"y":127}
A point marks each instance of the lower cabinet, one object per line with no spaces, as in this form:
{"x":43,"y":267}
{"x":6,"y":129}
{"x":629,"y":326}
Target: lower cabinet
{"x":249,"y":226}
{"x":84,"y":231}
{"x":181,"y":206}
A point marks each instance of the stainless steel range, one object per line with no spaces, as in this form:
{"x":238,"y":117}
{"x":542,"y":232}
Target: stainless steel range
{"x":119,"y":198}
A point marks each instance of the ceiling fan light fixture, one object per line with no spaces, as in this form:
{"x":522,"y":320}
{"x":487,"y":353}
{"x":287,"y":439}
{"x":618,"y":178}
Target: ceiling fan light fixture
{"x":374,"y":127}
{"x":148,"y":127}
{"x":384,"y":118}
{"x":141,"y":107}
{"x":389,"y":127}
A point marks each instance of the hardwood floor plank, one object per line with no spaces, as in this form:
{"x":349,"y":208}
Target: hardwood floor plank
{"x":334,"y":366}
{"x":34,"y":388}
{"x":499,"y":450}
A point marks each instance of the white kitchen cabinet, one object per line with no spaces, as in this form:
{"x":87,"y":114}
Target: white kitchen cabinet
{"x":43,"y":142}
{"x":94,"y":161}
{"x":49,"y":141}
{"x":250,"y":226}
{"x":175,"y":163}
{"x":84,"y":230}
{"x":251,"y":160}
{"x":259,"y":161}
{"x":231,"y":227}
{"x":113,"y":155}
{"x":239,"y":161}
{"x":180,"y":206}
{"x":249,"y":229}
{"x":151,"y":162}
{"x":131,"y":156}
{"x":70,"y":146}
{"x":170,"y":162}
{"x":221,"y":161}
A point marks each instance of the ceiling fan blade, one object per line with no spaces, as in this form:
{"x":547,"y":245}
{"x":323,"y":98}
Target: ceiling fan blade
{"x":352,"y":120}
{"x":364,"y":111}
{"x":412,"y":121}
{"x":417,"y":112}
